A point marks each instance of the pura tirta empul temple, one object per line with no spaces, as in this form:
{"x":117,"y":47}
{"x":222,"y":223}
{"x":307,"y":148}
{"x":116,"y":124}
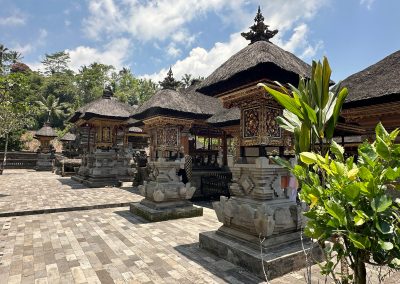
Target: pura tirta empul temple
{"x":102,"y":128}
{"x":259,"y":205}
{"x":45,"y":151}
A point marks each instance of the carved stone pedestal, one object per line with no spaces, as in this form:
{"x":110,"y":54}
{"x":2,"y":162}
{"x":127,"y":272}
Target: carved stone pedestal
{"x":258,"y":208}
{"x":165,"y":196}
{"x":44,"y":162}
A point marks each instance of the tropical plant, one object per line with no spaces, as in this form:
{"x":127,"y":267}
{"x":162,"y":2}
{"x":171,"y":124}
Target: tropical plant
{"x":348,"y":201}
{"x":51,"y":106}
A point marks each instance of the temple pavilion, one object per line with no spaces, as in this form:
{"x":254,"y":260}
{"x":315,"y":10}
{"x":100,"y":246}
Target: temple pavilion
{"x":102,"y":131}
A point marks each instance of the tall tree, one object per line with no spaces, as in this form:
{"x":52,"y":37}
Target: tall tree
{"x":56,"y":62}
{"x":3,"y":57}
{"x":91,"y":80}
{"x":146,"y":88}
{"x":186,"y":80}
{"x":125,"y":86}
{"x":52,"y":107}
{"x":15,"y":113}
{"x":15,"y":56}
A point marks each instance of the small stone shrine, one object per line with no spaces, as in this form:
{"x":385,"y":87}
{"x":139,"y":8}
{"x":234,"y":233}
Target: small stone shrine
{"x":166,"y":194}
{"x":45,"y":152}
{"x":259,"y":206}
{"x":102,"y":128}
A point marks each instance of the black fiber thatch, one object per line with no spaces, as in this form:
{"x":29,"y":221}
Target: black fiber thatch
{"x":104,"y":107}
{"x":46,"y":131}
{"x":257,"y":61}
{"x":68,"y":137}
{"x":188,"y":104}
{"x":376,"y":84}
{"x":226,"y":117}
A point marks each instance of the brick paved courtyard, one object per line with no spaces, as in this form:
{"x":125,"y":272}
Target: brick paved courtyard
{"x":104,"y":245}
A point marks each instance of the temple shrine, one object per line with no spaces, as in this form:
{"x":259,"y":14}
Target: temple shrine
{"x":259,"y":205}
{"x":45,"y":152}
{"x":102,"y":130}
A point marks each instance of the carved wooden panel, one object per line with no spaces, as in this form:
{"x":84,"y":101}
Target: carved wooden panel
{"x":251,"y":122}
{"x":171,"y":136}
{"x":272,"y":127}
{"x":160,"y":136}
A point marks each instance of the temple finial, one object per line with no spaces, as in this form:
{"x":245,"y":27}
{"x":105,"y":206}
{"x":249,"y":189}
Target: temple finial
{"x":259,"y":31}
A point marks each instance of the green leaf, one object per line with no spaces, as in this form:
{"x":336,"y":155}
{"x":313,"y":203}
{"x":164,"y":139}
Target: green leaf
{"x":286,"y":101}
{"x":382,"y":148}
{"x":352,"y":191}
{"x":308,"y":158}
{"x":386,"y":245}
{"x":381,"y":131}
{"x":336,"y":211}
{"x":282,"y":162}
{"x":365,"y":174}
{"x":392,"y":174}
{"x":393,"y":135}
{"x":381,"y":203}
{"x":337,"y":150}
{"x":384,"y":227}
{"x":358,"y":220}
{"x":304,"y":138}
{"x":359,"y":241}
{"x":352,"y":174}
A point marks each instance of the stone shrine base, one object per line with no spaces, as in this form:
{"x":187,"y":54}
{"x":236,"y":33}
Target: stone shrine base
{"x":277,"y":261}
{"x":96,"y":181}
{"x":155,"y":212}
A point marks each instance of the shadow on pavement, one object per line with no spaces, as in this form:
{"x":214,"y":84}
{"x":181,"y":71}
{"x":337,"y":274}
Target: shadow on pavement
{"x":217,"y":266}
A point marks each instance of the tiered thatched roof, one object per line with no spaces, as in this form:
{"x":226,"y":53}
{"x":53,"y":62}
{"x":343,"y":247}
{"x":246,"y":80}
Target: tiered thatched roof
{"x":376,"y":84}
{"x":105,"y":107}
{"x":68,"y":137}
{"x":257,"y":61}
{"x":185,"y":104}
{"x":46,"y":131}
{"x":226,"y":117}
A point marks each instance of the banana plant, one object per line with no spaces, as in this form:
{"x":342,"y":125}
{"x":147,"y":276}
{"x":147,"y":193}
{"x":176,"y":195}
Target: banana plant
{"x":312,"y":109}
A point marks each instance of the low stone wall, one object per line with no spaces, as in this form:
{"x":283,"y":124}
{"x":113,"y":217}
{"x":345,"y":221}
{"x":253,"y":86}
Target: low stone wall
{"x":19,"y":160}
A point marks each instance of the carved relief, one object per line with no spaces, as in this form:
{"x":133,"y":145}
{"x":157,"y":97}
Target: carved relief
{"x":251,"y":122}
{"x":272,"y":127}
{"x":171,"y":137}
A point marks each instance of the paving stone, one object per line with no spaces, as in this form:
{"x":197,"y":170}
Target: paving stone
{"x":108,"y":245}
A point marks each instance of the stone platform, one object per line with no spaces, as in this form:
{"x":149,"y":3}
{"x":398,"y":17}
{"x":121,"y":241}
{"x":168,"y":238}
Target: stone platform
{"x":277,"y":261}
{"x":154,"y":212}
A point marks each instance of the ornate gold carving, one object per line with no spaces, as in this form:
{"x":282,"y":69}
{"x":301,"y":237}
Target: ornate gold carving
{"x":272,"y":128}
{"x":251,"y":122}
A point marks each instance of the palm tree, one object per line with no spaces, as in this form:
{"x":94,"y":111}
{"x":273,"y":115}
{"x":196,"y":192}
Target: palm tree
{"x":15,"y":56}
{"x":52,"y":106}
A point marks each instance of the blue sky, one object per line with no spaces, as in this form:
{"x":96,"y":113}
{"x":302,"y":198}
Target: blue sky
{"x":196,"y":36}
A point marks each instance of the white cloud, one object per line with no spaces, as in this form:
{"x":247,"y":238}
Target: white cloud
{"x":114,"y":53}
{"x":288,"y":16}
{"x":367,"y":3}
{"x":16,"y":19}
{"x":201,"y":62}
{"x":172,"y":50}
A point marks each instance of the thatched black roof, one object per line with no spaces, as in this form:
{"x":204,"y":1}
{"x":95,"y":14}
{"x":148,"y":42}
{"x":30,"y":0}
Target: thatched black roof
{"x":104,"y":107}
{"x":68,"y":137}
{"x":46,"y":131}
{"x":226,"y":117}
{"x":378,"y":83}
{"x":183,"y":104}
{"x":257,"y":61}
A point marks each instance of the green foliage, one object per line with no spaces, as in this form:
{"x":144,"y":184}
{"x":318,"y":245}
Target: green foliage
{"x":353,"y":203}
{"x":347,"y":198}
{"x":311,"y":110}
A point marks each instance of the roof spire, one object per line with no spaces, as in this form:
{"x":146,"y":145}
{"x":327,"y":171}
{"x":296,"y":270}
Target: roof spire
{"x":259,"y":31}
{"x":107,"y":92}
{"x":169,"y":82}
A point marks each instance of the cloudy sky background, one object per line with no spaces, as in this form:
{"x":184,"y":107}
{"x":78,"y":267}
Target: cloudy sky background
{"x":196,"y":36}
